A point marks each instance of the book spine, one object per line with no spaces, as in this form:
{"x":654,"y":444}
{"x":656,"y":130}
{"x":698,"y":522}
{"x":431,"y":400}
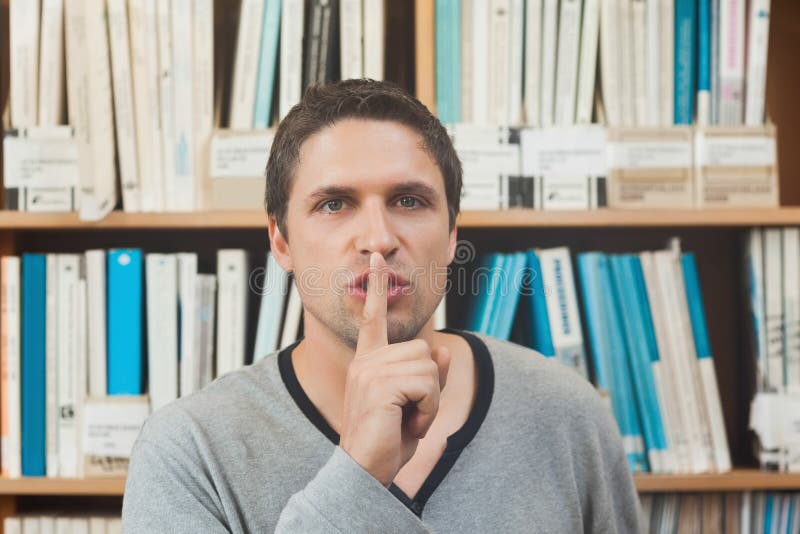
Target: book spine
{"x":68,"y":395}
{"x":610,"y":62}
{"x":791,"y":307}
{"x":10,"y":316}
{"x":773,"y":307}
{"x":96,"y":312}
{"x":533,"y":61}
{"x":51,"y":64}
{"x":203,"y":95}
{"x":187,"y":352}
{"x":162,"y":328}
{"x":566,"y":83}
{"x":549,"y":62}
{"x":732,"y":56}
{"x":517,"y":46}
{"x":587,"y":68}
{"x":638,"y":29}
{"x":232,"y":319}
{"x":33,"y":369}
{"x":125,"y":322}
{"x":424,"y":52}
{"x":246,"y":66}
{"x":166,"y":76}
{"x":123,"y":104}
{"x":352,"y":49}
{"x":757,"y":45}
{"x":652,"y":66}
{"x":685,"y":58}
{"x":667,"y":62}
{"x":374,"y":38}
{"x":291,"y":50}
{"x":184,"y":194}
{"x":704,"y":35}
{"x":24,"y":18}
{"x":269,"y":58}
{"x":51,"y":365}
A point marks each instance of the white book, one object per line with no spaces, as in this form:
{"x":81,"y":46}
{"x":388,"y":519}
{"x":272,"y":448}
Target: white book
{"x":114,"y":525}
{"x":10,"y":408}
{"x":232,"y":276}
{"x":67,"y":362}
{"x":202,"y":93}
{"x":187,"y":275}
{"x":499,"y":61}
{"x":652,"y":62}
{"x":51,"y":64}
{"x":206,"y":291}
{"x":47,"y":524}
{"x":12,"y":525}
{"x":374,"y":38}
{"x":757,"y":44}
{"x":587,"y":66}
{"x":166,"y":76}
{"x":440,"y":315}
{"x":351,"y":39}
{"x":676,"y":425}
{"x":146,"y":88}
{"x":569,"y":34}
{"x":161,"y":280}
{"x":562,"y":307}
{"x":791,"y":307}
{"x":627,"y":82}
{"x":479,"y":69}
{"x":80,"y":525}
{"x":273,"y":295}
{"x":182,"y":198}
{"x":666,"y":62}
{"x":30,"y":524}
{"x":124,"y":112}
{"x":731,"y":65}
{"x":82,"y":368}
{"x":755,"y":276}
{"x":97,"y":525}
{"x":467,"y":59}
{"x":24,"y":18}
{"x":51,"y":365}
{"x":533,"y":61}
{"x":516,"y":49}
{"x":96,"y":312}
{"x":248,"y":45}
{"x":639,"y":29}
{"x":291,"y":60}
{"x":549,"y":48}
{"x":89,"y":99}
{"x":611,"y":62}
{"x":773,"y":306}
{"x":294,"y":313}
{"x":682,"y":359}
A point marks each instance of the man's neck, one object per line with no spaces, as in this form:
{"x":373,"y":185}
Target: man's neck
{"x":321,"y":361}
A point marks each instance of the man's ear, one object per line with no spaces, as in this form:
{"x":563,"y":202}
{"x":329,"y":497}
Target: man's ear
{"x":279,"y":246}
{"x":451,"y":247}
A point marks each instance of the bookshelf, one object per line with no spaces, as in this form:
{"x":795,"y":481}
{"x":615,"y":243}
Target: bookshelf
{"x":715,"y":235}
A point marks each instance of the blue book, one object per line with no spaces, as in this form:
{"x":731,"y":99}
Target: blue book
{"x":704,"y":61}
{"x":478,"y":292}
{"x":509,"y":295}
{"x":124,"y":322}
{"x":34,"y":328}
{"x":622,"y":396}
{"x":628,"y":277}
{"x":539,"y":329}
{"x":270,"y":30}
{"x":685,"y":58}
{"x":492,"y":298}
{"x":448,"y":60}
{"x":769,"y":510}
{"x":608,"y":350}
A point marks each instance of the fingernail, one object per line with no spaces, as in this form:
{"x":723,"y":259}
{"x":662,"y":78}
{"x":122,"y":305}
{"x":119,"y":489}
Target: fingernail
{"x":373,"y":260}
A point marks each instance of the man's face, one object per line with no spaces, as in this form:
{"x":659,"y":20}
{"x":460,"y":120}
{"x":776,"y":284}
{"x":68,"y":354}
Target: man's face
{"x":364,"y":186}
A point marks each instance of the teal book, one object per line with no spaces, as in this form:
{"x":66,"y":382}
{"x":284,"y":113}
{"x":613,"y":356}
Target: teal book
{"x":267,"y":65}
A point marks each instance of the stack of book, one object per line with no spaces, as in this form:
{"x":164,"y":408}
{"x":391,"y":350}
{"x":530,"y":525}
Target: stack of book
{"x":61,"y":523}
{"x":651,"y":357}
{"x":731,"y":513}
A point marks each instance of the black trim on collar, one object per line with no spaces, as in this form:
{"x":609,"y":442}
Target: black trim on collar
{"x":456,"y":442}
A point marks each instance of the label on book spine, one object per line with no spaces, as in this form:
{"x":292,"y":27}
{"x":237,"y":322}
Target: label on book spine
{"x":240,"y":154}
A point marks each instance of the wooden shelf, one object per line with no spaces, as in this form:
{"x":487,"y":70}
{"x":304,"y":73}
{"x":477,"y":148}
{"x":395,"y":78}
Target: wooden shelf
{"x":736,"y":480}
{"x":515,"y":218}
{"x":62,"y":486}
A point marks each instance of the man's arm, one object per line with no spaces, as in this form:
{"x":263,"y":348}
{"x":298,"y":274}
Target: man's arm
{"x":168,"y":491}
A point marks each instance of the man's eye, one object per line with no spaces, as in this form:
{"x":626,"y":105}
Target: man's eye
{"x":332,"y":205}
{"x":409,"y":202}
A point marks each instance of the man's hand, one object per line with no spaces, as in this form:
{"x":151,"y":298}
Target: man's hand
{"x":392,"y":391}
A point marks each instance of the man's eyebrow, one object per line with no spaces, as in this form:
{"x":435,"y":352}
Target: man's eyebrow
{"x":410,"y":187}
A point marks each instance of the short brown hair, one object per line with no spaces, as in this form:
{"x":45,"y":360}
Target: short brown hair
{"x":325,"y":104}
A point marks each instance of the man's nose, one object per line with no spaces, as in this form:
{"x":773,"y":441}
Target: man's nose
{"x":377,"y":233}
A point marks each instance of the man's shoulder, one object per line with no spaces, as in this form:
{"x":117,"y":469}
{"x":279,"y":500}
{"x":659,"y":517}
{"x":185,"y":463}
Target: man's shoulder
{"x":227,"y":405}
{"x":525,"y":379}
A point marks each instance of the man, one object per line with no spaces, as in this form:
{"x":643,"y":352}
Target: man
{"x":374,"y":421}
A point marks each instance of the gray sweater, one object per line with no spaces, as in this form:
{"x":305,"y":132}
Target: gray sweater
{"x":242,"y":456}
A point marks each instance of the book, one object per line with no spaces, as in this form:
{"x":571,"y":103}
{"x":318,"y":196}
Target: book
{"x":125,"y":274}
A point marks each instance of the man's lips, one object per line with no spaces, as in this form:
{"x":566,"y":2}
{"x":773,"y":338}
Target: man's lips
{"x":397,"y":286}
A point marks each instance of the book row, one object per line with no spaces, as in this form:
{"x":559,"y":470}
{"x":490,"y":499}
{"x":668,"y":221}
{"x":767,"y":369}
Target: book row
{"x":61,"y":524}
{"x":722,"y":513}
{"x":648,"y":348}
{"x":536,"y":62}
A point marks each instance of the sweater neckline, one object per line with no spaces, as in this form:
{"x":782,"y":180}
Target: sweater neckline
{"x":456,"y":442}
